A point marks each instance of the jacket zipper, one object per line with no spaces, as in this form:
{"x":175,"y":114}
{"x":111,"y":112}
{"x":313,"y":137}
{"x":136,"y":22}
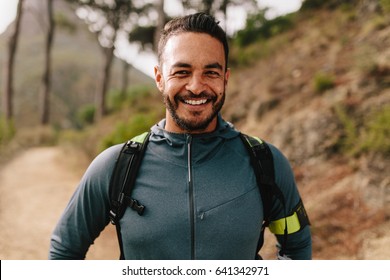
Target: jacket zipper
{"x":191,"y":196}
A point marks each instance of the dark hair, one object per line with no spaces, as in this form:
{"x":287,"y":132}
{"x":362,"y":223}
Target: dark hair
{"x":200,"y":23}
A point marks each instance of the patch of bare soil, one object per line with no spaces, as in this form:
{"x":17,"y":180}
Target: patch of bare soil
{"x":34,"y":190}
{"x":344,"y":225}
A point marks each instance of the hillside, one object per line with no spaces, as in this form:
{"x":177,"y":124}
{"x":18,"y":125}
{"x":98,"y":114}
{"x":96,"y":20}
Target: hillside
{"x":346,"y":192}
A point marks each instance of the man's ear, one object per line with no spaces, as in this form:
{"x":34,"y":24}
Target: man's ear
{"x":227,"y":75}
{"x":158,"y":78}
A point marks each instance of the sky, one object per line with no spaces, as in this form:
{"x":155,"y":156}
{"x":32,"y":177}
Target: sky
{"x":145,"y":61}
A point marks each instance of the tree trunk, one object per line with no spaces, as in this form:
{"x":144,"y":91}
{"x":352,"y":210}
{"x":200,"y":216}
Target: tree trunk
{"x":160,"y":24}
{"x":9,"y":70}
{"x":46,"y":80}
{"x":101,"y":109}
{"x":125,"y":78}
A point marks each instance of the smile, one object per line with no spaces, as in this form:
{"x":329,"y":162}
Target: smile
{"x":195,"y":102}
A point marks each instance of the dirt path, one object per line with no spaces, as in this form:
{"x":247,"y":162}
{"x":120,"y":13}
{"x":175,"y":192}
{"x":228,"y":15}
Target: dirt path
{"x":34,"y":189}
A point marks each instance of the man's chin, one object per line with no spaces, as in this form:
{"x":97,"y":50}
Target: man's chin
{"x":194,"y":124}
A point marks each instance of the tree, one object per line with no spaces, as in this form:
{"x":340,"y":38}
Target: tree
{"x":9,"y":70}
{"x":125,"y":78}
{"x":46,"y":80}
{"x":107,"y":19}
{"x":214,"y":7}
{"x":160,"y":23}
{"x":148,"y":36}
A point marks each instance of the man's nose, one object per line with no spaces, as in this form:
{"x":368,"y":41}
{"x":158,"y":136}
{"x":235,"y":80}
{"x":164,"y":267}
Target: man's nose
{"x":196,"y":84}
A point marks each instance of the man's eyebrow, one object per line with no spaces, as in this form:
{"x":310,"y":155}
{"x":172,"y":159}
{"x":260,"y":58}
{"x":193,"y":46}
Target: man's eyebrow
{"x":181,"y":65}
{"x":213,"y":66}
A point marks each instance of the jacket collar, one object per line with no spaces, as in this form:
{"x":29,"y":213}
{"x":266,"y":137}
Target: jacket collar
{"x":224,"y":130}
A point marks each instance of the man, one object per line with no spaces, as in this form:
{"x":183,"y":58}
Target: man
{"x":196,"y":180}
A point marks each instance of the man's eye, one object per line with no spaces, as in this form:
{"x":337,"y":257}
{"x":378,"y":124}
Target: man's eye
{"x":181,"y":73}
{"x":213,"y":74}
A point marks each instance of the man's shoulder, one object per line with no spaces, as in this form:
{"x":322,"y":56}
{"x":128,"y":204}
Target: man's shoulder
{"x":104,"y":162}
{"x":281,"y":163}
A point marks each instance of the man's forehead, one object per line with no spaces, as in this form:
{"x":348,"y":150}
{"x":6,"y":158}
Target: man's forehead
{"x":190,"y":47}
{"x":195,"y":36}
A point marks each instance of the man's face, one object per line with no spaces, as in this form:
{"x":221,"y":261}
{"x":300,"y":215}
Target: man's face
{"x":192,"y":80}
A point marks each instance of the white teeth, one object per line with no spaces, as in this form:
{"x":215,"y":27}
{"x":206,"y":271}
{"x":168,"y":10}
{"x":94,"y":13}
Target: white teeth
{"x":196,"y":102}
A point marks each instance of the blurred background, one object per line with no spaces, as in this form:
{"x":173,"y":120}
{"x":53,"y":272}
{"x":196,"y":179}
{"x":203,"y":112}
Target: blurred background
{"x":312,"y":77}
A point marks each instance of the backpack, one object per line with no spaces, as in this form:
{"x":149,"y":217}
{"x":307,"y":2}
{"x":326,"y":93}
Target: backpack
{"x":129,"y":161}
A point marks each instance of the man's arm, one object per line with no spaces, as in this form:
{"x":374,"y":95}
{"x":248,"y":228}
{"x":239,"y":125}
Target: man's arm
{"x":86,"y":214}
{"x":298,"y":244}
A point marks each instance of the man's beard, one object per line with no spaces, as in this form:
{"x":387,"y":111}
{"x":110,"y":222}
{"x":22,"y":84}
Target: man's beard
{"x":191,"y":125}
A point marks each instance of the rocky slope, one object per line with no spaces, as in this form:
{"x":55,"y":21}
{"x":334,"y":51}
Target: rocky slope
{"x":347,"y":194}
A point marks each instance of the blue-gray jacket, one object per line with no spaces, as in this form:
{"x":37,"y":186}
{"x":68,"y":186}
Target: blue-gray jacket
{"x":201,"y":200}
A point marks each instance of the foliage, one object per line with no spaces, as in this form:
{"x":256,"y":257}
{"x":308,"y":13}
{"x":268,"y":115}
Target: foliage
{"x":253,"y":42}
{"x":330,"y":4}
{"x":349,"y":136}
{"x":132,"y":97}
{"x":385,"y":5}
{"x":110,"y":18}
{"x":258,"y":27}
{"x":376,"y":136}
{"x":63,"y":22}
{"x":7,"y":130}
{"x":85,"y":115}
{"x":216,"y":7}
{"x":245,"y":56}
{"x":144,"y":35}
{"x":124,"y":131}
{"x":313,"y":4}
{"x":323,"y":82}
{"x":371,"y":136}
{"x":117,"y":100}
{"x":115,"y":14}
{"x":365,"y":59}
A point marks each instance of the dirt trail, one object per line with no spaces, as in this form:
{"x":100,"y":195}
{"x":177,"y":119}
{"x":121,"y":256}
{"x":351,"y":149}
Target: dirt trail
{"x":34,"y":189}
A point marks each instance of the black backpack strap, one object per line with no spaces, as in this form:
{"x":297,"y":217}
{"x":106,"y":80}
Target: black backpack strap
{"x":262,"y":162}
{"x":123,"y":179}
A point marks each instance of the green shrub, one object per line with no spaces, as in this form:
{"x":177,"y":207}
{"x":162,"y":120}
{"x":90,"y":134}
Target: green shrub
{"x":65,"y":23}
{"x":258,"y":27}
{"x":139,"y":93}
{"x":312,"y":4}
{"x":115,"y":100}
{"x":323,"y":82}
{"x":330,"y":4}
{"x":250,"y":54}
{"x":126,"y":130}
{"x":372,"y":135}
{"x":349,"y":136}
{"x":118,"y":99}
{"x":85,"y":115}
{"x":376,"y":136}
{"x":385,"y":6}
{"x":7,"y":130}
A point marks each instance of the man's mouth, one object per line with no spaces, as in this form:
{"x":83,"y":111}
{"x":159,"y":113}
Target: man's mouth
{"x":195,"y":101}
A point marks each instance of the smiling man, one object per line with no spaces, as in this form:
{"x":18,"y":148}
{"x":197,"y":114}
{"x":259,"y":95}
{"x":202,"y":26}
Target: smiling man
{"x":193,"y":85}
{"x":196,"y":193}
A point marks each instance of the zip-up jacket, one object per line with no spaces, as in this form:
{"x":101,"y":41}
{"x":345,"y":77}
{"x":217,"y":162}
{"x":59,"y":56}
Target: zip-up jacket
{"x":200,"y":196}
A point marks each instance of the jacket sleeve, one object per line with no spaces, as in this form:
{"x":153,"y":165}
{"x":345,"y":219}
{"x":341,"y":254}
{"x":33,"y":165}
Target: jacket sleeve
{"x":298,"y":244}
{"x":87,"y":212}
